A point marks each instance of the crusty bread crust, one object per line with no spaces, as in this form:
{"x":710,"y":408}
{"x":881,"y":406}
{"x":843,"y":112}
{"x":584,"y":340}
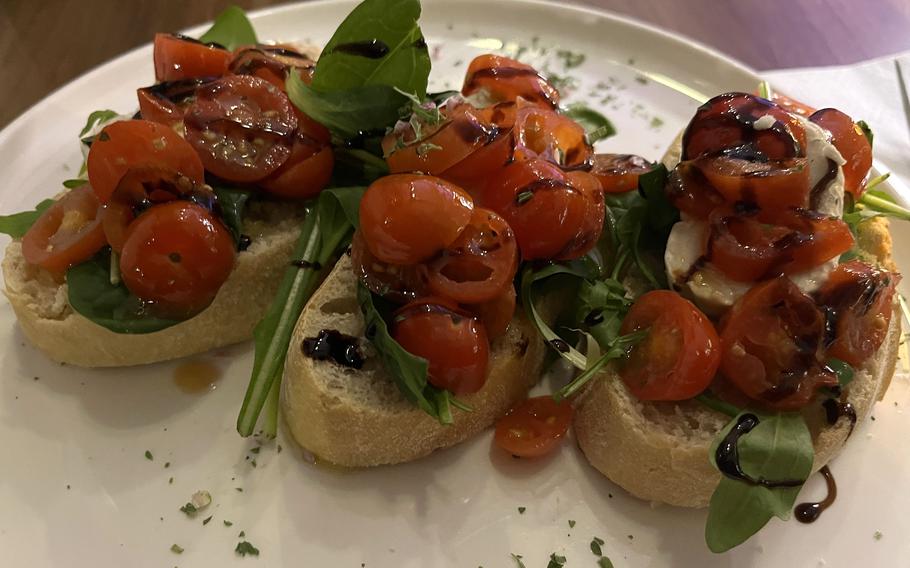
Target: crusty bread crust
{"x":358,"y":418}
{"x":51,"y":325}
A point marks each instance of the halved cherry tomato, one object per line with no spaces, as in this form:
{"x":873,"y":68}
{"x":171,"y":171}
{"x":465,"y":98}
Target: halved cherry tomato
{"x":473,"y":172}
{"x":166,"y":102}
{"x":242,"y":127}
{"x":771,"y":186}
{"x":534,"y":427}
{"x":553,"y":215}
{"x":480,"y":264}
{"x":271,"y":63}
{"x":773,"y":346}
{"x":454,"y":344}
{"x":860,"y":297}
{"x":179,"y":57}
{"x":127,"y":144}
{"x":407,"y":219}
{"x":141,"y":188}
{"x":618,"y":173}
{"x":399,"y":283}
{"x":791,"y":105}
{"x":306,"y":172}
{"x":463,"y":132}
{"x":689,"y":191}
{"x":746,"y":249}
{"x":67,"y":233}
{"x":496,"y":314}
{"x":176,"y":257}
{"x":506,"y":79}
{"x":680,"y":354}
{"x":552,"y":136}
{"x":726,"y":123}
{"x":852,"y":144}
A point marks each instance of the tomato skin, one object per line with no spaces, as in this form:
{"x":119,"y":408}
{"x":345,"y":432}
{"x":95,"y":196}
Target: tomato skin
{"x":725,"y":123}
{"x":554,"y":137}
{"x":689,"y":191}
{"x":176,"y":256}
{"x":165,"y":103}
{"x":552,"y":213}
{"x":860,"y":297}
{"x":771,"y":186}
{"x":306,"y":172}
{"x":618,"y":173}
{"x":408,"y":219}
{"x":534,"y":427}
{"x":132,"y":143}
{"x":242,"y":127}
{"x":773,"y":346}
{"x":852,"y":144}
{"x":791,"y":105}
{"x":399,"y":283}
{"x":454,"y":344}
{"x":272,"y":63}
{"x":473,"y":172}
{"x":496,"y":314}
{"x":67,"y":233}
{"x":178,"y":57}
{"x":680,"y":354}
{"x":506,"y":79}
{"x":480,"y":264}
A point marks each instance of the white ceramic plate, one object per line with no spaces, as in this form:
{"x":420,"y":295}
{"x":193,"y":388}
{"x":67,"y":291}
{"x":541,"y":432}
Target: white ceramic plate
{"x":77,"y":490}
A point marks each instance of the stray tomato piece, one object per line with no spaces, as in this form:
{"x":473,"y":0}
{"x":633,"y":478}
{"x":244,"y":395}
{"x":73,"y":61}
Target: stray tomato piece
{"x":534,"y":427}
{"x":552,"y":136}
{"x":680,"y":354}
{"x":852,"y":144}
{"x":408,"y":219}
{"x":67,"y":233}
{"x":179,"y":57}
{"x":496,"y":314}
{"x":506,"y":79}
{"x":618,"y":173}
{"x":454,"y":344}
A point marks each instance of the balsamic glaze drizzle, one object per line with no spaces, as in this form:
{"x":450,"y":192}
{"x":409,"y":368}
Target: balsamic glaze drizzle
{"x":727,"y":456}
{"x":809,"y":512}
{"x":331,"y":344}
{"x":371,"y":48}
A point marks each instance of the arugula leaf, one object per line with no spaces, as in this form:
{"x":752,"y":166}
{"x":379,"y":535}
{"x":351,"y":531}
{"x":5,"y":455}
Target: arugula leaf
{"x":325,"y":229}
{"x":614,"y":350}
{"x":842,"y":369}
{"x":867,"y":131}
{"x":231,"y":29}
{"x":556,"y":561}
{"x":779,"y":447}
{"x":113,"y":306}
{"x":408,"y":371}
{"x":597,"y":126}
{"x":17,"y":224}
{"x":232,"y":202}
{"x":96,"y":118}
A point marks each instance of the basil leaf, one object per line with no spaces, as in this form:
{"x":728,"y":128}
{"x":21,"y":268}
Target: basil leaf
{"x":96,"y":118}
{"x":842,"y":369}
{"x":386,"y":24}
{"x":597,"y":126}
{"x":867,"y":131}
{"x":91,"y":294}
{"x":326,"y":229}
{"x":358,"y":166}
{"x":231,"y":29}
{"x":408,"y":371}
{"x":232,"y":202}
{"x":74,"y":183}
{"x":778,"y":448}
{"x":349,"y":200}
{"x":17,"y":224}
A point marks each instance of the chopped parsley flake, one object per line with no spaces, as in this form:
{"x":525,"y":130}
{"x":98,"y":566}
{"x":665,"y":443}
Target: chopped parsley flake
{"x":570,"y":59}
{"x":256,"y":449}
{"x":167,"y":465}
{"x":189,"y":509}
{"x":521,"y":510}
{"x":244,"y":548}
{"x":242,"y":534}
{"x":518,"y":562}
{"x":642,"y":79}
{"x":596,"y":545}
{"x":656,"y":122}
{"x":571,"y":524}
{"x":556,"y":561}
{"x":206,"y":520}
{"x":148,"y":455}
{"x":170,"y":481}
{"x":228,"y":523}
{"x":176,"y":549}
{"x":604,"y":562}
{"x":877,"y":535}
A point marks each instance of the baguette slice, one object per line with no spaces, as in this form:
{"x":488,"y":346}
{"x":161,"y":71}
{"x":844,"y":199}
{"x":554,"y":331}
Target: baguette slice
{"x":41,"y":306}
{"x":358,"y":417}
{"x":659,"y":451}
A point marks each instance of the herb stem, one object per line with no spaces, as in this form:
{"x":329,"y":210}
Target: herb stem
{"x":884,"y":206}
{"x":271,"y":408}
{"x":877,"y":180}
{"x":615,"y":350}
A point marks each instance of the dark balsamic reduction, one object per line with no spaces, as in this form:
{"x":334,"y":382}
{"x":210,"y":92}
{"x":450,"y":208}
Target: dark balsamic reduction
{"x":727,"y":456}
{"x":819,"y":188}
{"x":541,"y":185}
{"x":244,"y":242}
{"x":560,"y":345}
{"x":371,"y":48}
{"x":331,"y":344}
{"x":809,"y":512}
{"x":834,"y":409}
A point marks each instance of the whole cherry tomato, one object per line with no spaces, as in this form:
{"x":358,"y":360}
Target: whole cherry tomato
{"x":505,"y":79}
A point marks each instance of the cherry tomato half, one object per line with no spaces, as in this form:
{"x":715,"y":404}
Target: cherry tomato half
{"x":791,"y":105}
{"x":852,"y":144}
{"x":552,"y":136}
{"x":618,"y":173}
{"x":305,"y":173}
{"x":67,"y":233}
{"x":399,"y":283}
{"x":726,"y":123}
{"x":176,"y":256}
{"x":272,"y":63}
{"x":166,"y":102}
{"x":773,"y":346}
{"x":127,"y":144}
{"x":242,"y":127}
{"x":454,"y":344}
{"x":179,"y":57}
{"x":496,"y":314}
{"x":860,"y":297}
{"x":408,"y":219}
{"x":680,"y":354}
{"x":480,"y":264}
{"x":554,"y":215}
{"x":534,"y":427}
{"x":771,"y":186}
{"x":506,"y":79}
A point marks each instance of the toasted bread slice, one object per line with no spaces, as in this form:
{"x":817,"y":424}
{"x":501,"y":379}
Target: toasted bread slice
{"x":358,"y":417}
{"x":48,"y":321}
{"x":659,"y":451}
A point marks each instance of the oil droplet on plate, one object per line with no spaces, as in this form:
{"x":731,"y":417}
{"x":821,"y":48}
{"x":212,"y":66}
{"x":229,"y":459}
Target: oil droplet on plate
{"x":196,"y":376}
